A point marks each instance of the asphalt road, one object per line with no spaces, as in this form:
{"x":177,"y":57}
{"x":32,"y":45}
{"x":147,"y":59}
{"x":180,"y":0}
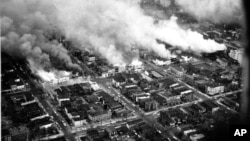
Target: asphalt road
{"x":140,"y":113}
{"x":47,"y":107}
{"x":66,"y":129}
{"x":198,"y":93}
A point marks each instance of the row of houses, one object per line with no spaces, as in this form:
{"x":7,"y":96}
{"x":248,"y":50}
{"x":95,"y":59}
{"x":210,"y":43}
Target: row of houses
{"x":173,"y":93}
{"x":144,"y":99}
{"x":121,"y":79}
{"x":188,"y":115}
{"x":88,"y":105}
{"x":11,"y":80}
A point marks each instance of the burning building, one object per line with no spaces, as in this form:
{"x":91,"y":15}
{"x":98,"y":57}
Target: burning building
{"x":54,"y":77}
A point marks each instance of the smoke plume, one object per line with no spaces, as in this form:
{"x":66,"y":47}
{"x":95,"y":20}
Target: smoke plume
{"x":24,"y":25}
{"x":109,"y":28}
{"x":189,"y":40}
{"x":218,"y":11}
{"x":113,"y":26}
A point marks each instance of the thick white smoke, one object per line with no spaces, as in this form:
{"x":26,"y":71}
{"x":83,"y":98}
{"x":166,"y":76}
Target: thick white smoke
{"x":219,"y":11}
{"x":173,"y":34}
{"x":122,"y":24}
{"x":115,"y":25}
{"x":109,"y":27}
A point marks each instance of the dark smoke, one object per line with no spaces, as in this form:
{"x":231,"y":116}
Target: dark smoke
{"x":24,"y":25}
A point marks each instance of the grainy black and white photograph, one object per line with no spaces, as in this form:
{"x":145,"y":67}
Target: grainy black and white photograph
{"x":124,"y":70}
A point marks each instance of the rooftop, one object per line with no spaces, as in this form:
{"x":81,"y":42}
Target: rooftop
{"x":119,"y":78}
{"x":156,"y":74}
{"x":63,"y":94}
{"x":179,"y":68}
{"x":134,"y":122}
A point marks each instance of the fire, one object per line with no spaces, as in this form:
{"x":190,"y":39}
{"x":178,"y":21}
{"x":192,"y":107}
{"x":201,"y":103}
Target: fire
{"x":52,"y":75}
{"x":46,"y":76}
{"x":136,"y":62}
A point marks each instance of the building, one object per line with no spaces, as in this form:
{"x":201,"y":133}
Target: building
{"x":201,"y":85}
{"x":186,"y":92}
{"x":229,"y":103}
{"x":45,"y":122}
{"x":19,"y":133}
{"x":223,"y":62}
{"x":138,"y":96}
{"x":92,"y":98}
{"x":165,"y":119}
{"x":108,"y":100}
{"x":17,"y":84}
{"x":121,"y":112}
{"x":76,"y":111}
{"x":79,"y":121}
{"x":62,"y":95}
{"x":94,"y":135}
{"x":155,"y":74}
{"x":23,"y":98}
{"x":189,"y":79}
{"x":172,"y":99}
{"x":236,"y":55}
{"x":128,"y":90}
{"x":178,"y":71}
{"x":85,"y":88}
{"x":47,"y":133}
{"x":160,"y":99}
{"x":12,"y":82}
{"x":180,"y":89}
{"x":60,"y":80}
{"x":99,"y":116}
{"x":106,"y":71}
{"x":187,"y":96}
{"x":198,"y":108}
{"x":214,"y":89}
{"x":111,"y":131}
{"x":174,"y":85}
{"x":166,"y":83}
{"x":133,"y":123}
{"x":133,"y":77}
{"x":143,"y":84}
{"x":214,"y":34}
{"x":34,"y":111}
{"x":150,"y":105}
{"x":209,"y":106}
{"x":118,"y":80}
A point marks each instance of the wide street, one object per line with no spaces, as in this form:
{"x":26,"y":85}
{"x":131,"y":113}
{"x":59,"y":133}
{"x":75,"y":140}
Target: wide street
{"x":37,"y":90}
{"x":65,"y":128}
{"x":140,"y":113}
{"x":198,"y":93}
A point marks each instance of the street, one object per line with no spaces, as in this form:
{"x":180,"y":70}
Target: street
{"x":140,"y":113}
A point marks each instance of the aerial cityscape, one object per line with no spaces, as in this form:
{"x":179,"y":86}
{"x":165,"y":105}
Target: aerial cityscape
{"x":120,"y":70}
